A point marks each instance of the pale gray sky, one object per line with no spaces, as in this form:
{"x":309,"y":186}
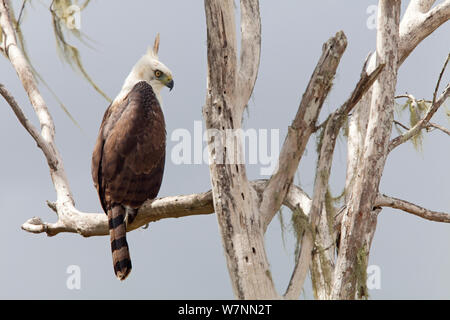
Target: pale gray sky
{"x":183,"y":258}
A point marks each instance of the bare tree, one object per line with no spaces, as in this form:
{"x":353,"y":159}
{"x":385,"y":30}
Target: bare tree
{"x":335,"y":244}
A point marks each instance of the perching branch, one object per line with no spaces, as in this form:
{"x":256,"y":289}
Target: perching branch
{"x":96,"y":224}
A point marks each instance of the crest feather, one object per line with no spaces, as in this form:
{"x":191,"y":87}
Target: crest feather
{"x":154,"y":51}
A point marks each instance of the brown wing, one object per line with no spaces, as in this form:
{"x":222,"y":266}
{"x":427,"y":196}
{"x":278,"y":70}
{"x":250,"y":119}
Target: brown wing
{"x":128,"y":159}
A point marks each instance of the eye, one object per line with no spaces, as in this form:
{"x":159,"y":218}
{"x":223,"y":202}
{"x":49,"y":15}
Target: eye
{"x":158,"y":73}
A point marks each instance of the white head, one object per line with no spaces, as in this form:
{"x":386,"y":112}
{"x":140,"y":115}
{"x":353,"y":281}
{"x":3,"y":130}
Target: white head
{"x":151,"y":70}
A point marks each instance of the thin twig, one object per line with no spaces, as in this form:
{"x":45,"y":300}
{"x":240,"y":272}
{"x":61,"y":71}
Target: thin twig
{"x":440,"y":78}
{"x":401,"y":125}
{"x":439,"y":127}
{"x":21,"y":12}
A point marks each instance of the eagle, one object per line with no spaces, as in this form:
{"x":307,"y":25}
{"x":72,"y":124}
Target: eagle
{"x":129,"y":154}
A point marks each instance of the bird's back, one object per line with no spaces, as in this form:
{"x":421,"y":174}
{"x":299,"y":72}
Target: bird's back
{"x":128,"y":161}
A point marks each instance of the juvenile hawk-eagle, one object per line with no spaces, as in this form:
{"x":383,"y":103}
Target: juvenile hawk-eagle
{"x":129,"y":155}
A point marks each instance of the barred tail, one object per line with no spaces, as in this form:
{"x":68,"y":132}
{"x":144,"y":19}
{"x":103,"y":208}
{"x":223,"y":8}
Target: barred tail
{"x":119,"y":245}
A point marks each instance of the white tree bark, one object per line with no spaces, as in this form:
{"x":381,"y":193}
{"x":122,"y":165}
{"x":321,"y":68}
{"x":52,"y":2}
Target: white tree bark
{"x":371,"y":164}
{"x":64,"y":202}
{"x":323,"y":259}
{"x":418,"y":22}
{"x":235,"y":201}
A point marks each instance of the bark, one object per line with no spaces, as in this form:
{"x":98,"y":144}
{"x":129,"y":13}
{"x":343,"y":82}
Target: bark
{"x":406,"y":206}
{"x":418,"y":22}
{"x":64,"y":202}
{"x":322,"y":211}
{"x":235,"y":202}
{"x":356,"y":220}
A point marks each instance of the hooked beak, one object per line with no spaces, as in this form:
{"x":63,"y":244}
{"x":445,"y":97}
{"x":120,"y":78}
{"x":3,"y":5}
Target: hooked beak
{"x":170,"y":84}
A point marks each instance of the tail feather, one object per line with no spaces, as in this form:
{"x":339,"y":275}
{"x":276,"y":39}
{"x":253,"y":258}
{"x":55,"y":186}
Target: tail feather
{"x":119,"y":245}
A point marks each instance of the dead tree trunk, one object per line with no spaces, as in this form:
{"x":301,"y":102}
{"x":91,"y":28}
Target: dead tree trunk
{"x":357,"y":223}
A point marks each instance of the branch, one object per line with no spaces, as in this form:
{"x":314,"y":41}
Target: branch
{"x":250,"y":51}
{"x":439,"y":79}
{"x":42,"y":144}
{"x":439,"y":127}
{"x":303,"y":126}
{"x":419,"y":22}
{"x":24,"y":2}
{"x":417,"y":6}
{"x":65,"y":206}
{"x":386,"y":201}
{"x":356,"y":220}
{"x":96,"y":224}
{"x":319,"y":221}
{"x":24,"y":72}
{"x":363,"y":85}
{"x":401,"y":125}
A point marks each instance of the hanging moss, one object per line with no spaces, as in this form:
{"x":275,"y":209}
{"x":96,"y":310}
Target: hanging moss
{"x":300,"y":223}
{"x":319,"y":135}
{"x":67,"y":52}
{"x":345,"y":126}
{"x":282,"y":227}
{"x":415,"y":114}
{"x":269,"y":274}
{"x":417,"y":110}
{"x":21,"y":42}
{"x":326,"y":268}
{"x":361,"y":274}
{"x":331,"y":211}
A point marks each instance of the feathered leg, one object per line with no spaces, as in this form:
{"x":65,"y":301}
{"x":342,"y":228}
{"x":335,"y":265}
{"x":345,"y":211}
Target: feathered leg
{"x":131,"y":214}
{"x":119,"y":245}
